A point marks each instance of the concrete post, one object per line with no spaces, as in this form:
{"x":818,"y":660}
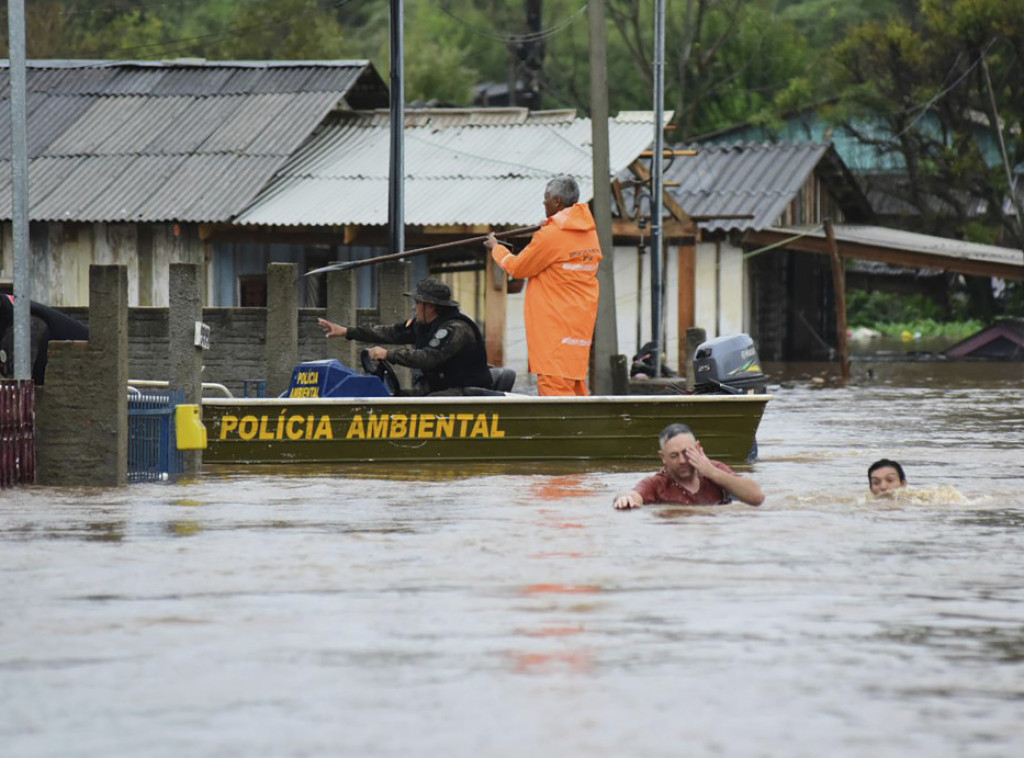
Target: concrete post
{"x":342,"y":302}
{"x":82,"y":421}
{"x":185,"y":300}
{"x":282,"y":345}
{"x":394,"y":279}
{"x":694,"y":337}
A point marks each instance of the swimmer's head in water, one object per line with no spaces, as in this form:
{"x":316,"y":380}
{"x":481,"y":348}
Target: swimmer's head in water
{"x":885,"y":476}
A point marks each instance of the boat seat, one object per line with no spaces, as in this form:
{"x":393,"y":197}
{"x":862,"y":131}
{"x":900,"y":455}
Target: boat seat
{"x":503,"y":379}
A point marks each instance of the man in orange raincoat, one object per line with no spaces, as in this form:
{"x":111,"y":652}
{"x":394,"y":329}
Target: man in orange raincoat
{"x":561,"y":295}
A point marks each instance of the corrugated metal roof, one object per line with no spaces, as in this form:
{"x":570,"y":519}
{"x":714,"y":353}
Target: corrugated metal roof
{"x":170,"y":141}
{"x":880,"y":236}
{"x":759,"y":180}
{"x":459,"y":170}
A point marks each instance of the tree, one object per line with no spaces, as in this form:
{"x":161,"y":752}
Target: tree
{"x":916,"y":88}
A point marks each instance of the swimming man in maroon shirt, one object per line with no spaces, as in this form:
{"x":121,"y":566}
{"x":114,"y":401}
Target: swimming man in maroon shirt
{"x":689,"y":477}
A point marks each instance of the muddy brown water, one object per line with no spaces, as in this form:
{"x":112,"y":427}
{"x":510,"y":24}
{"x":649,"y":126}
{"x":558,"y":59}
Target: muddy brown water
{"x":496,"y":610}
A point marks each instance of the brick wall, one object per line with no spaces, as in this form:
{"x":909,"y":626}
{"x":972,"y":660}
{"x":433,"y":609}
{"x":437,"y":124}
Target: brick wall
{"x":237,"y":337}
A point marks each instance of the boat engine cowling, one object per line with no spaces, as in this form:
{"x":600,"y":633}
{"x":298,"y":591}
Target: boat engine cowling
{"x":331,"y":378}
{"x":728,"y":365}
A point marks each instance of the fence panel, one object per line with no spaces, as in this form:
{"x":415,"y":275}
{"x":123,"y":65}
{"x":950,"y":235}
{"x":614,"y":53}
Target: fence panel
{"x":153,"y":453}
{"x":17,"y":432}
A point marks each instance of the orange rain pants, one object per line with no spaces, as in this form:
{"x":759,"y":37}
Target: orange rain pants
{"x":560,"y":385}
{"x":561,"y":295}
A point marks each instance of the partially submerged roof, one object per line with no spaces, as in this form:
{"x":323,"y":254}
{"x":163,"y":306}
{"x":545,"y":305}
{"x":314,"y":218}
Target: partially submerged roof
{"x":1003,"y":340}
{"x":462,"y":166}
{"x":187,"y":140}
{"x":749,"y":186}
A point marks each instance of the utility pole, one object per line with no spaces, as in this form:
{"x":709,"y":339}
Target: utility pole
{"x":533,"y":62}
{"x":396,"y":169}
{"x":658,"y":188}
{"x":606,"y":343}
{"x":19,"y":189}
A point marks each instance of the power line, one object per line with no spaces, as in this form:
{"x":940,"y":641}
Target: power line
{"x":551,"y":31}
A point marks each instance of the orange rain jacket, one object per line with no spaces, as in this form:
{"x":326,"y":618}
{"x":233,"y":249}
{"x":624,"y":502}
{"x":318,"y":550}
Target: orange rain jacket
{"x":561,"y":296}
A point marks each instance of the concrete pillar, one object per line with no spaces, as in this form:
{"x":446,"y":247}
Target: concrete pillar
{"x":185,"y":300}
{"x":282,"y":345}
{"x":342,"y":302}
{"x":82,"y":413}
{"x":394,"y":280}
{"x":694,"y":337}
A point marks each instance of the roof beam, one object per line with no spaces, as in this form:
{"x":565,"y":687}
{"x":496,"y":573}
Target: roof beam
{"x":895,"y":256}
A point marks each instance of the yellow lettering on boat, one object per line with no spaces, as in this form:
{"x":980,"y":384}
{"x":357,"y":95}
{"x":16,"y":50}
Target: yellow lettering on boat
{"x":227,"y":424}
{"x":464,"y":419}
{"x":427,"y":427}
{"x":247,"y":427}
{"x":410,"y":426}
{"x":265,"y":434}
{"x":399,"y":425}
{"x":295,"y":432}
{"x":377,"y":426}
{"x":445,"y":426}
{"x":304,"y":392}
{"x":495,"y":431}
{"x":323,"y":429}
{"x":479,"y":426}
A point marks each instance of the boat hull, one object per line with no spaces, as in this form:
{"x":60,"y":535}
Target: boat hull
{"x":509,"y":428}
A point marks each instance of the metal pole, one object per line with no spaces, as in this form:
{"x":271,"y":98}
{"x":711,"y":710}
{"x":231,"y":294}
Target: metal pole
{"x":396,"y":175}
{"x":19,"y":191}
{"x":657,"y":187}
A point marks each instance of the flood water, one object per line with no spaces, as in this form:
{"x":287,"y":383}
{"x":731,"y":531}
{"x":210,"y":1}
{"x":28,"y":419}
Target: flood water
{"x":494,"y":611}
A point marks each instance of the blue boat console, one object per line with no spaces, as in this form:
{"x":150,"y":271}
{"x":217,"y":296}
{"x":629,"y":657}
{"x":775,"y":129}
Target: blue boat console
{"x":331,"y":378}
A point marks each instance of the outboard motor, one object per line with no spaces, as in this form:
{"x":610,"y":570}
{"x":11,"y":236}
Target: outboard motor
{"x":728,"y":365}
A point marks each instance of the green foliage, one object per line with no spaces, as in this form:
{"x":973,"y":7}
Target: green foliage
{"x":874,"y":308}
{"x":893,"y":314}
{"x":928,"y":328}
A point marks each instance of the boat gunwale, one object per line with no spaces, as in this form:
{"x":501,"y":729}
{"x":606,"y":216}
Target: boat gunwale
{"x":509,"y":399}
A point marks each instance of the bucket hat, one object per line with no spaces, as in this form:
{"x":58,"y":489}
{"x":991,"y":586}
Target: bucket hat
{"x":433,"y":291}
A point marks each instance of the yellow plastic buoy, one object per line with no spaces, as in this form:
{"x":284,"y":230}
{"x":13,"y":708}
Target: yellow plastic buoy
{"x":189,"y":428}
{"x":907,"y":336}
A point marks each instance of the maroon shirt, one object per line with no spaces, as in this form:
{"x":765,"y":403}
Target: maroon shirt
{"x":661,"y":488}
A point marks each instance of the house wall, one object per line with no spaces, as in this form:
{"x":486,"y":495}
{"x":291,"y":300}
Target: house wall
{"x":61,"y":253}
{"x":631,"y":298}
{"x":721,"y":289}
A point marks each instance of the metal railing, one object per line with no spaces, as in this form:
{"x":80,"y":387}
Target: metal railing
{"x":17,"y":433}
{"x":153,"y":453}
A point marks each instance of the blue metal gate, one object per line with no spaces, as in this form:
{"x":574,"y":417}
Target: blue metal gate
{"x":153,"y":453}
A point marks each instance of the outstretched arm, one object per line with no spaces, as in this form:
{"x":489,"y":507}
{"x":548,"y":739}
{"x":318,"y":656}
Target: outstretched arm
{"x":740,"y":487}
{"x":627,"y":500}
{"x":331,"y":329}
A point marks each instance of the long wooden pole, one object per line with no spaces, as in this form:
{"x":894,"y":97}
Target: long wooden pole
{"x":839,"y":285}
{"x":346,"y":265}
